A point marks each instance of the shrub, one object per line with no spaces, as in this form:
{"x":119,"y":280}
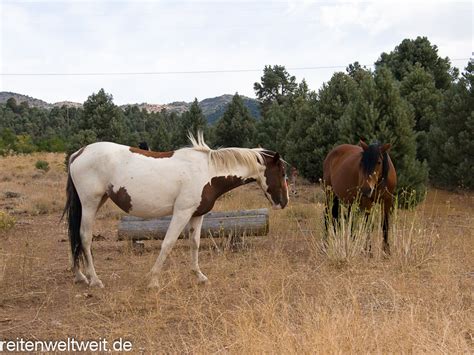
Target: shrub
{"x":42,"y":165}
{"x":6,"y":221}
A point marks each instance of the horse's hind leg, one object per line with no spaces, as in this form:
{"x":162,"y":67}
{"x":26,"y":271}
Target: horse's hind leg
{"x":385,"y":226}
{"x":194,"y":238}
{"x":335,"y":211}
{"x":89,"y":211}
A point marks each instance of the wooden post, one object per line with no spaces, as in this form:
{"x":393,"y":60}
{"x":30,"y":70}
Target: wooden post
{"x":215,"y":224}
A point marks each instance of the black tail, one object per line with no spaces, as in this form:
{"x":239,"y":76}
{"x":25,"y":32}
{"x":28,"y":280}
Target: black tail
{"x":73,"y":210}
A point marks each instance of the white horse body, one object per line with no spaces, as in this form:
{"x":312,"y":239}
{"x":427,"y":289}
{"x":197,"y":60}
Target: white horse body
{"x":145,"y":178}
{"x":184,"y":183}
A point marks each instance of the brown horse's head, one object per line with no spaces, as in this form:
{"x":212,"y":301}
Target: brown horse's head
{"x":275,"y":179}
{"x":373,"y":165}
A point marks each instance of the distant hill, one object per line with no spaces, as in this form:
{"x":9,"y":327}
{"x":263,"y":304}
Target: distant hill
{"x":212,"y":108}
{"x":32,"y":102}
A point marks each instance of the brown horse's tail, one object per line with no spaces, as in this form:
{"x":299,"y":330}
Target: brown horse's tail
{"x":73,"y":211}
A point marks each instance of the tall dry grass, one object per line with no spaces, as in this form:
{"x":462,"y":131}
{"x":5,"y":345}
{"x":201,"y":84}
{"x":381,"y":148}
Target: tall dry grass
{"x":275,"y":294}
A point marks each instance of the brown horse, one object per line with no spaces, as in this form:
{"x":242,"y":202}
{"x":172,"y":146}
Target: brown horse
{"x":365,"y":173}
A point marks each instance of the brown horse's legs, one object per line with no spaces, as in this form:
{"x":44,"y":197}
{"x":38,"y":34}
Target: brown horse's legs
{"x":335,"y":207}
{"x":368,"y":242}
{"x":333,"y":215}
{"x":386,"y":212}
{"x":386,"y":246}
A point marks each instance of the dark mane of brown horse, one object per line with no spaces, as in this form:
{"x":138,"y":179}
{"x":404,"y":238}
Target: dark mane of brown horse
{"x":370,"y":158}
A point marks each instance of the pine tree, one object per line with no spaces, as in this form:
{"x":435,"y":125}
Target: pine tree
{"x":272,"y":129}
{"x":419,"y":90}
{"x":276,"y":86}
{"x":191,"y":121}
{"x":313,"y":132}
{"x":451,"y":139}
{"x":103,"y":117}
{"x":237,"y":127}
{"x":404,"y":58}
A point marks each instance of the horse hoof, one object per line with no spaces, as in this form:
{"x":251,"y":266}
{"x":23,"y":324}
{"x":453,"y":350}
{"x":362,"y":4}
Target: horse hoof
{"x":154,"y":284}
{"x":96,"y":283}
{"x":202,"y":279}
{"x":81,"y":279}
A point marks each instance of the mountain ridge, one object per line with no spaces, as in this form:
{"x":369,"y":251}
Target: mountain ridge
{"x":212,"y":108}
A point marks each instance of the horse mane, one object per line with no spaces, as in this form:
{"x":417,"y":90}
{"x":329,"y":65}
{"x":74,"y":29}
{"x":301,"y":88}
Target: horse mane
{"x":370,"y":158}
{"x":229,"y":158}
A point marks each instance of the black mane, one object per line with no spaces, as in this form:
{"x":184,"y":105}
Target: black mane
{"x":370,"y":158}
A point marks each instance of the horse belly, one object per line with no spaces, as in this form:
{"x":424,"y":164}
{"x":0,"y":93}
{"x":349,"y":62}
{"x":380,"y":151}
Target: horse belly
{"x":148,"y":198}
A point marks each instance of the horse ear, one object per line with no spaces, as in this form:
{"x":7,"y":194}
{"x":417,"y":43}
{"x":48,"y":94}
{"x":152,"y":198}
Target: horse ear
{"x":385,"y":148}
{"x":276,"y":157}
{"x":363,"y":145}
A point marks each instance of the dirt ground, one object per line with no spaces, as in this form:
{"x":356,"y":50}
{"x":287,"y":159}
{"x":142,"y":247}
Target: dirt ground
{"x":273,"y":294}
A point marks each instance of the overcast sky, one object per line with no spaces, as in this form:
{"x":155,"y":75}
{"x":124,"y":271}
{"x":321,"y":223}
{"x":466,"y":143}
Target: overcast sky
{"x":76,"y":37}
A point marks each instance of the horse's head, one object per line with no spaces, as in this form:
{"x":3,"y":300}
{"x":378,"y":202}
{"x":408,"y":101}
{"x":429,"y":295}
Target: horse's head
{"x":272,"y":179}
{"x":371,"y":167}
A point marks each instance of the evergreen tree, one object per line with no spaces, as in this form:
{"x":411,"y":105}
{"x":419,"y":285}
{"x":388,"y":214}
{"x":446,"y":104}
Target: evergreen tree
{"x":160,"y":132}
{"x":191,"y":121}
{"x":419,"y":90}
{"x":103,"y":117}
{"x":237,"y":127}
{"x":452,"y":136}
{"x":272,"y":129}
{"x":404,"y":58}
{"x":7,"y":141}
{"x":276,"y":86}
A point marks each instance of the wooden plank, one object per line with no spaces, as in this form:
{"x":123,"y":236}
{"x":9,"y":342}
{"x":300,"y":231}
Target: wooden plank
{"x":215,"y":224}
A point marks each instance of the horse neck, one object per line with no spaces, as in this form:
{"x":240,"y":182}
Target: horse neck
{"x":239,"y":172}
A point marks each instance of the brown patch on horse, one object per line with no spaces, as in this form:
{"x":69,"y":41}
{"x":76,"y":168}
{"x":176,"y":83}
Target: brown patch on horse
{"x":75,"y":156}
{"x":151,"y":154}
{"x":120,"y":197}
{"x":215,"y":188}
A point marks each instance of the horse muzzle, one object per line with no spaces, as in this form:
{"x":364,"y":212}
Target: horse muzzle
{"x":367,"y":192}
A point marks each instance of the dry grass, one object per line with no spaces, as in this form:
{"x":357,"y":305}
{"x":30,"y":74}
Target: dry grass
{"x":276,"y":294}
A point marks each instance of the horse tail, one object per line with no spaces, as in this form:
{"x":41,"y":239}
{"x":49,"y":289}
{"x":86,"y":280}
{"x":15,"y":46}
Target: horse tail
{"x":73,"y":211}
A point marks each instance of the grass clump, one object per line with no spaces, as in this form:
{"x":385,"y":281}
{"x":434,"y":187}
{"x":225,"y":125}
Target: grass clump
{"x":6,"y":221}
{"x":42,"y":165}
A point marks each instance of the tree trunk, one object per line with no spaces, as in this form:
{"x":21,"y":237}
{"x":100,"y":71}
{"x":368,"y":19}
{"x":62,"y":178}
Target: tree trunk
{"x":215,"y":224}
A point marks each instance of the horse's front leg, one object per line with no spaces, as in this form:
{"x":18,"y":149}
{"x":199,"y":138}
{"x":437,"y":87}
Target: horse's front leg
{"x":194,"y":239}
{"x":178,"y":222}
{"x":385,"y":225}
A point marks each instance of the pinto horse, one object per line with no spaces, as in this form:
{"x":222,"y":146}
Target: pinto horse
{"x":184,"y":183}
{"x":364,"y":173}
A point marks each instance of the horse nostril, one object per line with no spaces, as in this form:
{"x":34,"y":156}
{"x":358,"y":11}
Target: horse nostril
{"x":366,"y":191}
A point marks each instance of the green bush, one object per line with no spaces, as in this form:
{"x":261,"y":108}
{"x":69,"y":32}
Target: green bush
{"x":42,"y":165}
